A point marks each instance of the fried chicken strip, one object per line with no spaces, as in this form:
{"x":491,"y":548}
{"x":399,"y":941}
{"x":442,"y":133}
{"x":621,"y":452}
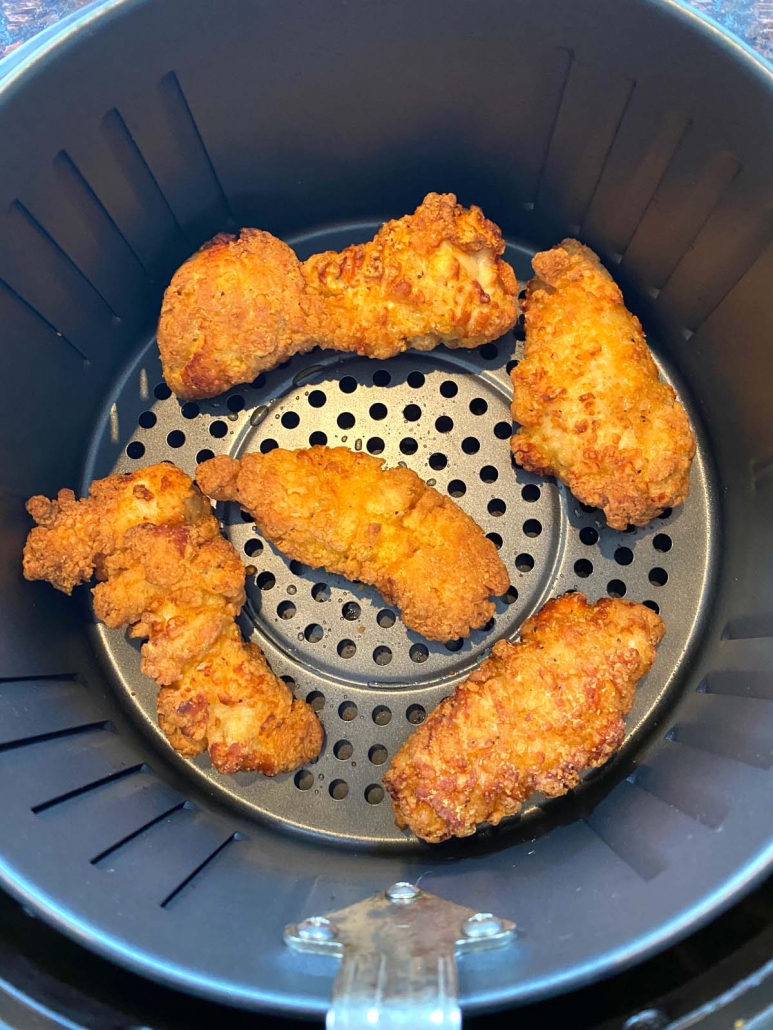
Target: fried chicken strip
{"x":587,"y":395}
{"x":531,"y":718}
{"x":245,"y":304}
{"x":341,"y":509}
{"x":164,"y":570}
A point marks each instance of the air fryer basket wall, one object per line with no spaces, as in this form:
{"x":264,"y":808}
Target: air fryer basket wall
{"x":133,"y":139}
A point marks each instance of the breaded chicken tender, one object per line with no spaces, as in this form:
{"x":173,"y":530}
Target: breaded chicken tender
{"x":340,"y":509}
{"x":164,"y":570}
{"x":587,"y":395}
{"x":245,"y":304}
{"x":531,"y":718}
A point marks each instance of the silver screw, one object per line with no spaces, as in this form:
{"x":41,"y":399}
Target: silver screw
{"x":317,"y":928}
{"x":402,"y":892}
{"x":482,"y":924}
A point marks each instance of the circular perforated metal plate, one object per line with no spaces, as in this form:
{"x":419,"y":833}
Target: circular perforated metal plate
{"x":446,"y":415}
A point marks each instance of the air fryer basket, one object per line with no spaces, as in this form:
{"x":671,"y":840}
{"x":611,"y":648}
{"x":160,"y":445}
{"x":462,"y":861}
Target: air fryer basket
{"x":140,"y":132}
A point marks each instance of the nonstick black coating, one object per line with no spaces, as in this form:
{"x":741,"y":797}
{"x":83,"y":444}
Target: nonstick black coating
{"x":635,"y":126}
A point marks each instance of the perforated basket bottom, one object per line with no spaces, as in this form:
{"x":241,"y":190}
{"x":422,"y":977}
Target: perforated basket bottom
{"x":339,"y":645}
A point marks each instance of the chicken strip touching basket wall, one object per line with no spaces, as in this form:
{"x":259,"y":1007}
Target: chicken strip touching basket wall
{"x":149,"y":128}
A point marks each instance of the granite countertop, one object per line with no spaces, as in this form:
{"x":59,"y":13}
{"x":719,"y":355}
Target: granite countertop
{"x":752,"y":20}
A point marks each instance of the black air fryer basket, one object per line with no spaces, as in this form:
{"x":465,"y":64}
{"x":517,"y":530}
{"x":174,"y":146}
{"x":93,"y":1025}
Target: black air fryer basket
{"x":142,"y":129}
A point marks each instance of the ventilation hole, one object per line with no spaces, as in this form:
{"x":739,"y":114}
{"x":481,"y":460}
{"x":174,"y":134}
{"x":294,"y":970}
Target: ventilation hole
{"x":531,"y":492}
{"x":489,"y":351}
{"x":320,"y":592}
{"x":437,"y":461}
{"x":268,"y":445}
{"x":162,"y":391}
{"x":454,"y":645}
{"x":658,"y":577}
{"x":351,"y":611}
{"x":532,"y":527}
{"x":343,"y":749}
{"x":375,"y":445}
{"x":489,"y":474}
{"x":304,"y":780}
{"x":511,"y":365}
{"x":495,"y":539}
{"x":289,"y":681}
{"x":338,"y":789}
{"x":524,"y":563}
{"x":478,"y":406}
{"x":286,"y":610}
{"x":348,"y":384}
{"x":253,"y":548}
{"x":415,"y":714}
{"x":412,"y":412}
{"x":653,"y":606}
{"x":345,"y":420}
{"x":317,"y":439}
{"x":444,"y":424}
{"x":381,"y":715}
{"x":583,"y":568}
{"x":386,"y":618}
{"x":418,"y":653}
{"x":490,"y":624}
{"x":235,"y":403}
{"x":135,"y":449}
{"x":346,"y":649}
{"x":503,"y":430}
{"x":377,"y":412}
{"x":589,"y":535}
{"x":381,"y":377}
{"x":449,"y":388}
{"x":147,"y":419}
{"x":204,"y":455}
{"x":382,"y":655}
{"x":416,"y":380}
{"x":662,"y":542}
{"x":313,"y":633}
{"x":176,"y":438}
{"x":624,"y":556}
{"x":374,"y":794}
{"x":510,"y":596}
{"x":408,"y":446}
{"x":246,"y":517}
{"x":266,"y":581}
{"x":290,"y":420}
{"x":497,"y":507}
{"x":317,"y":399}
{"x":298,"y":568}
{"x":259,"y":381}
{"x":218,"y":429}
{"x":456,"y":488}
{"x":316,"y":699}
{"x":347,"y":711}
{"x":616,"y":588}
{"x":470,"y":445}
{"x":665,"y":514}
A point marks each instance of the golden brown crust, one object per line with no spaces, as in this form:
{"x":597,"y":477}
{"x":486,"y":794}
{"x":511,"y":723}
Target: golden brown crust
{"x":531,"y":718}
{"x":165,"y":571}
{"x":244,"y":304}
{"x":587,"y":395}
{"x":340,"y":509}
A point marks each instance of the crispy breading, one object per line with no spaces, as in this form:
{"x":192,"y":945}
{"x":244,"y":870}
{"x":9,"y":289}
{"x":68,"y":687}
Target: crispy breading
{"x":242,"y":305}
{"x":587,"y":395}
{"x":531,"y":718}
{"x":341,"y":509}
{"x":165,"y":571}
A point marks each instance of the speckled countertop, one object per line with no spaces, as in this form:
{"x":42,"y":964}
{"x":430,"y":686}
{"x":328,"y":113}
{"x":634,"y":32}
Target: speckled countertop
{"x":752,"y":20}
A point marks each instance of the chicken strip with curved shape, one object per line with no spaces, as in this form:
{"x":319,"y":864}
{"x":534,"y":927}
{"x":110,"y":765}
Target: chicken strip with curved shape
{"x":244,"y":304}
{"x":591,"y":408}
{"x":341,"y":509}
{"x":531,"y":718}
{"x":165,"y":571}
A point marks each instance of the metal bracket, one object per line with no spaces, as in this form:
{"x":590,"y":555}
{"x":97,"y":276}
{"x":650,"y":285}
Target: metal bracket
{"x":398,"y":952}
